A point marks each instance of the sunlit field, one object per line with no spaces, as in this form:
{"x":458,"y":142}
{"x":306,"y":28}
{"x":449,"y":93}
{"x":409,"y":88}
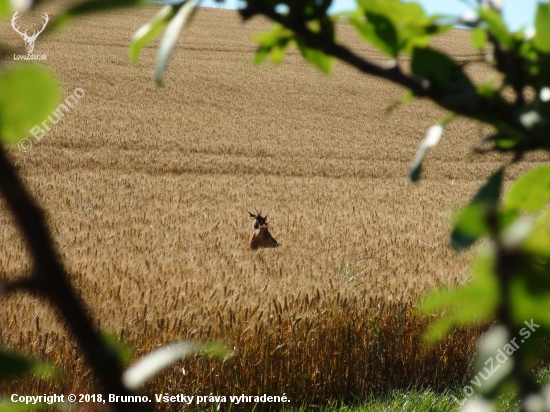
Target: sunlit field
{"x":146,"y":191}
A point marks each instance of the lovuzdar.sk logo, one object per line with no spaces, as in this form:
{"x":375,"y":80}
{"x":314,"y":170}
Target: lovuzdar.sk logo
{"x":28,"y":39}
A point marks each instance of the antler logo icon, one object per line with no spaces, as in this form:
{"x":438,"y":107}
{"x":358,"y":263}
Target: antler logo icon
{"x":29,"y":40}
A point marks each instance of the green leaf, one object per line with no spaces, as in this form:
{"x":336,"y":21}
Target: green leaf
{"x":531,"y":192}
{"x":260,"y":56}
{"x":149,"y":31}
{"x":137,"y":374}
{"x":542,"y":27}
{"x":7,"y":406}
{"x":324,"y":62}
{"x":497,"y":27}
{"x":472,"y":221}
{"x":530,"y":295}
{"x":123,"y":350}
{"x":170,"y":37}
{"x":367,"y":31}
{"x":487,"y":89}
{"x":489,"y":349}
{"x":278,"y":54}
{"x":273,"y":43}
{"x":473,"y":303}
{"x":28,"y":95}
{"x":393,"y":26}
{"x":538,"y":241}
{"x":439,"y":68}
{"x":13,"y":365}
{"x":385,"y":31}
{"x":5,"y":8}
{"x":479,"y":38}
{"x":406,"y":98}
{"x":410,"y":26}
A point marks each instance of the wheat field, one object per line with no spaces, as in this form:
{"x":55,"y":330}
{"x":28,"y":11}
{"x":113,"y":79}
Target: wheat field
{"x":146,"y":191}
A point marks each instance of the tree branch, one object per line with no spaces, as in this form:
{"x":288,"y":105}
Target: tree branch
{"x":342,"y":53}
{"x":480,"y":108}
{"x":50,"y":280}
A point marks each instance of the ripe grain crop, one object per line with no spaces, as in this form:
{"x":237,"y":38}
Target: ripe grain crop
{"x":145,"y":191}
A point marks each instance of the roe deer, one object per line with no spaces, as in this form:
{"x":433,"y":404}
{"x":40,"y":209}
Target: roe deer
{"x":261,"y":236}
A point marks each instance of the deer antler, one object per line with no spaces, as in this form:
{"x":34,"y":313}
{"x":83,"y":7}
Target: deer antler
{"x":13,"y":19}
{"x":36,"y":33}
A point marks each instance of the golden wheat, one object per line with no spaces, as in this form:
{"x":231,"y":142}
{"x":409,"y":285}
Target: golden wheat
{"x":145,"y":190}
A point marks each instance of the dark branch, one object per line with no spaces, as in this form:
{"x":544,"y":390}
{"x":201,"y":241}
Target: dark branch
{"x":342,"y":53}
{"x":50,"y":280}
{"x":20,"y":285}
{"x":481,"y":108}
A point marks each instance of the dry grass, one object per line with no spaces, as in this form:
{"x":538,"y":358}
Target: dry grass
{"x":145,"y":190}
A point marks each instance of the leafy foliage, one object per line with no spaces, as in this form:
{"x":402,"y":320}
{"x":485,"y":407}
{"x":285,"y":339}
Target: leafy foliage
{"x":394,"y":26}
{"x":531,"y":192}
{"x":469,"y":304}
{"x":148,"y":32}
{"x":473,"y":222}
{"x":28,"y":95}
{"x":15,"y":365}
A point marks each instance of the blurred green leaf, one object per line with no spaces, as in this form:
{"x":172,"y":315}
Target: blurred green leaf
{"x":406,"y":98}
{"x":13,"y":365}
{"x":538,"y":241}
{"x":170,"y":37}
{"x":367,"y":31}
{"x":497,"y":27}
{"x":479,"y":38}
{"x":123,"y":350}
{"x":487,"y":89}
{"x":324,"y":62}
{"x":439,"y":68}
{"x":472,"y":221}
{"x":385,"y":32}
{"x":149,"y":31}
{"x":5,"y":8}
{"x":28,"y":94}
{"x":530,"y":295}
{"x":152,"y":363}
{"x":273,"y":43}
{"x":542,"y":27}
{"x":7,"y":406}
{"x":531,"y":192}
{"x":491,"y":357}
{"x":392,"y":25}
{"x":473,"y":303}
{"x":470,"y":225}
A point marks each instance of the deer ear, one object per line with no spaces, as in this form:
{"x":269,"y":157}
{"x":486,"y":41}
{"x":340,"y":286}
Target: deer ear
{"x":250,"y":214}
{"x":256,"y":225}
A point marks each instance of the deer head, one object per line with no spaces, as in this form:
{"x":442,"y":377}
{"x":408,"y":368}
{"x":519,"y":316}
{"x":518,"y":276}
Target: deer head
{"x":29,"y":40}
{"x":261,"y":236}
